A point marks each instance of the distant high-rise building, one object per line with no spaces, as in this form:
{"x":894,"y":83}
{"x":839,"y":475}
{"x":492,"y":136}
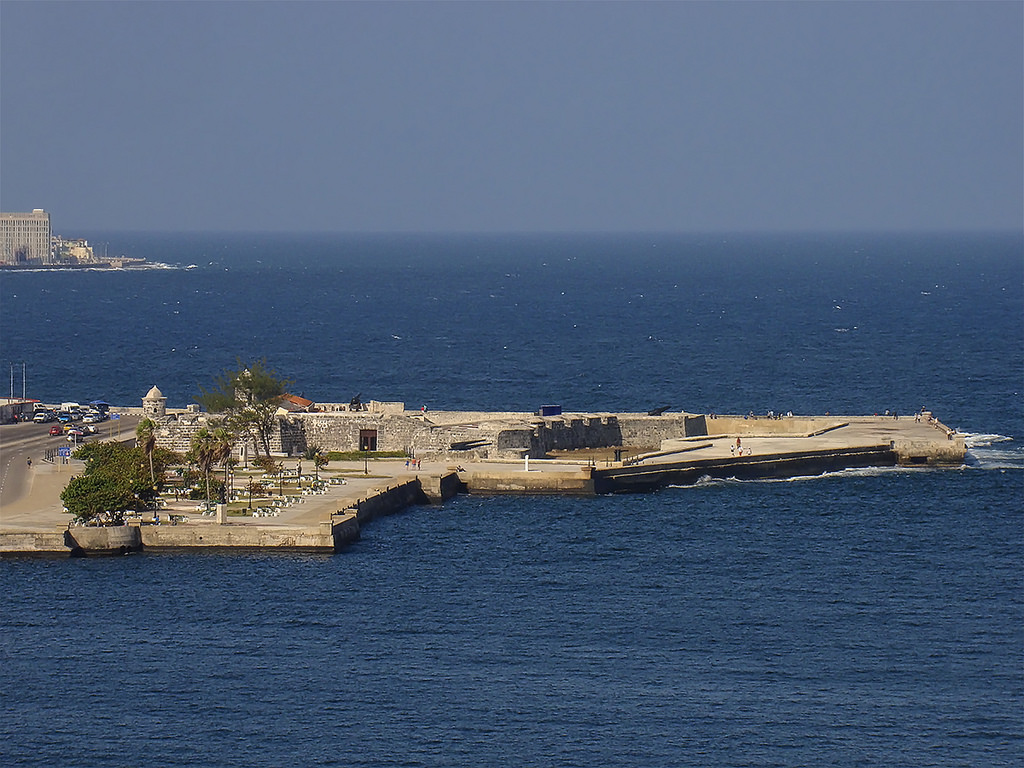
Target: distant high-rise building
{"x":25,"y":237}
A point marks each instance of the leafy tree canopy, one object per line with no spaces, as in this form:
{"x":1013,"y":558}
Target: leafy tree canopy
{"x":268,"y":465}
{"x":116,"y":478}
{"x":248,"y":385}
{"x":87,"y":496}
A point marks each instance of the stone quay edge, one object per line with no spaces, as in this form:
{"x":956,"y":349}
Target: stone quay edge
{"x":495,"y":453}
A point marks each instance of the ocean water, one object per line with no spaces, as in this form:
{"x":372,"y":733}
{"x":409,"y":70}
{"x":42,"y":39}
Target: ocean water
{"x":809,"y":324}
{"x":864,"y":618}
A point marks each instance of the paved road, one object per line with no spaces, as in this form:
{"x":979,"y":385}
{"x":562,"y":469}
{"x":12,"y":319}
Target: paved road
{"x":21,"y":442}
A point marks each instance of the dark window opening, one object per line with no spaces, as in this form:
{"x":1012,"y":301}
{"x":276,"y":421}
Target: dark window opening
{"x":367,"y":439}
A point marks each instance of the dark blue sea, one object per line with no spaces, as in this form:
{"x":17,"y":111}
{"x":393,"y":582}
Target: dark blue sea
{"x":865,"y":618}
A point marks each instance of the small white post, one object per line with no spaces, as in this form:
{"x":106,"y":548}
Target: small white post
{"x":526,"y":458}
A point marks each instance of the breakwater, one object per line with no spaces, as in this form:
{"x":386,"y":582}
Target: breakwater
{"x":646,"y":452}
{"x":655,"y":475}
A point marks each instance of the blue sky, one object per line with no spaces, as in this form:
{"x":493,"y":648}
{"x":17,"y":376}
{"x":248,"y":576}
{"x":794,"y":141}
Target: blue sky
{"x":512,"y":117}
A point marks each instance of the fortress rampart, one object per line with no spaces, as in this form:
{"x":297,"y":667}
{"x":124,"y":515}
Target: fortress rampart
{"x":489,"y":453}
{"x":479,"y":435}
{"x":469,"y":435}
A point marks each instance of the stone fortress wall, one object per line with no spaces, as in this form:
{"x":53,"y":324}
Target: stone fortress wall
{"x":496,"y":436}
{"x":474,"y":435}
{"x":388,"y":426}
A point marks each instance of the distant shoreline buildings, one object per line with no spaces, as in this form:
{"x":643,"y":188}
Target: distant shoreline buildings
{"x":27,"y":242}
{"x":26,"y":238}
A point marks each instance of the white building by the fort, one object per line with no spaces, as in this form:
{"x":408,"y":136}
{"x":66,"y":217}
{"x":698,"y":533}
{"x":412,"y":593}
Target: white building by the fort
{"x":25,"y":237}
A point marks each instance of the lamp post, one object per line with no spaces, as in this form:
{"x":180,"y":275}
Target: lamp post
{"x":229,"y":485}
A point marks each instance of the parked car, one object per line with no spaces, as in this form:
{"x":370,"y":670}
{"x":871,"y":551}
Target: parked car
{"x":91,"y":418}
{"x":64,"y":417}
{"x":41,"y":417}
{"x":56,"y":430}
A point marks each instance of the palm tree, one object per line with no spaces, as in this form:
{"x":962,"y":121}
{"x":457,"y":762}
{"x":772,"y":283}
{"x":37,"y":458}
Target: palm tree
{"x":221,"y":443}
{"x":145,"y":438}
{"x":203,"y":453}
{"x":316,"y":455}
{"x":210,"y":447}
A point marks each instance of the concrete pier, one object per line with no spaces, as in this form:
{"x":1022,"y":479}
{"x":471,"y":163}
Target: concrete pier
{"x":657,"y":451}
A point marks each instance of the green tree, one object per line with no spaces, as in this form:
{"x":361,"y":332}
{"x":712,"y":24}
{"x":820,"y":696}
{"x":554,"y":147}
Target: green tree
{"x":223,"y":439}
{"x":115,"y":479}
{"x":249,"y":397}
{"x":317,"y":456}
{"x":255,"y":487}
{"x":257,"y":422}
{"x":209,"y":448}
{"x":87,"y":496}
{"x":250,"y":383}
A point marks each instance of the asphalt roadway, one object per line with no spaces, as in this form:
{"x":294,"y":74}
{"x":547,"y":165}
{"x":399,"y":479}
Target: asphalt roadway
{"x":24,"y":441}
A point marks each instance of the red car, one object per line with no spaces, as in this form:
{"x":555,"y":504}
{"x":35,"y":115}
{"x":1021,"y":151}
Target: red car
{"x":56,"y":430}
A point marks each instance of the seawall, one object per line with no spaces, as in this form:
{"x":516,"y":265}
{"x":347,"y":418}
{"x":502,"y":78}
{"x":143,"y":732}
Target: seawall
{"x":723,"y":447}
{"x":652,"y":476}
{"x":544,"y":478}
{"x":330,"y":535}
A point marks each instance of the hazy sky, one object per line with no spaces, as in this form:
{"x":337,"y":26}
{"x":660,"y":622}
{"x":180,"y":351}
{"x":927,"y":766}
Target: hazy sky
{"x":518,"y":116}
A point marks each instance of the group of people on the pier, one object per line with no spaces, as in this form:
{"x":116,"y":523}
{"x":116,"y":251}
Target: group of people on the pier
{"x":737,"y":449}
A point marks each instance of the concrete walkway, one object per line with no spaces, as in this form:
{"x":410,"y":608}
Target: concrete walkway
{"x":33,"y":503}
{"x":31,"y":495}
{"x":37,"y":505}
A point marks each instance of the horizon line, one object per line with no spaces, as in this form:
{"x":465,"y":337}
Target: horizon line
{"x":569,"y":233}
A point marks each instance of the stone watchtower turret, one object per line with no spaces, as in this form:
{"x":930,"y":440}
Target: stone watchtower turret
{"x":154,"y":404}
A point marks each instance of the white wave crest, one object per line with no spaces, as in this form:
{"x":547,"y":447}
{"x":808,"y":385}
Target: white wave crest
{"x":707,"y":481}
{"x":989,"y":451}
{"x":975,"y":440}
{"x":993,"y":459}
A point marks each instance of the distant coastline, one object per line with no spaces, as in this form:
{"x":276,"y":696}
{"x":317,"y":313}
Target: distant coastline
{"x":114,"y":264}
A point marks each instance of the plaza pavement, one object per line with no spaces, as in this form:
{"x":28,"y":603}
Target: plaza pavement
{"x":31,"y":495}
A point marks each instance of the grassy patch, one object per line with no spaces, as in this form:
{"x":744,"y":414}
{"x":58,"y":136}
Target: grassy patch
{"x":360,"y":455}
